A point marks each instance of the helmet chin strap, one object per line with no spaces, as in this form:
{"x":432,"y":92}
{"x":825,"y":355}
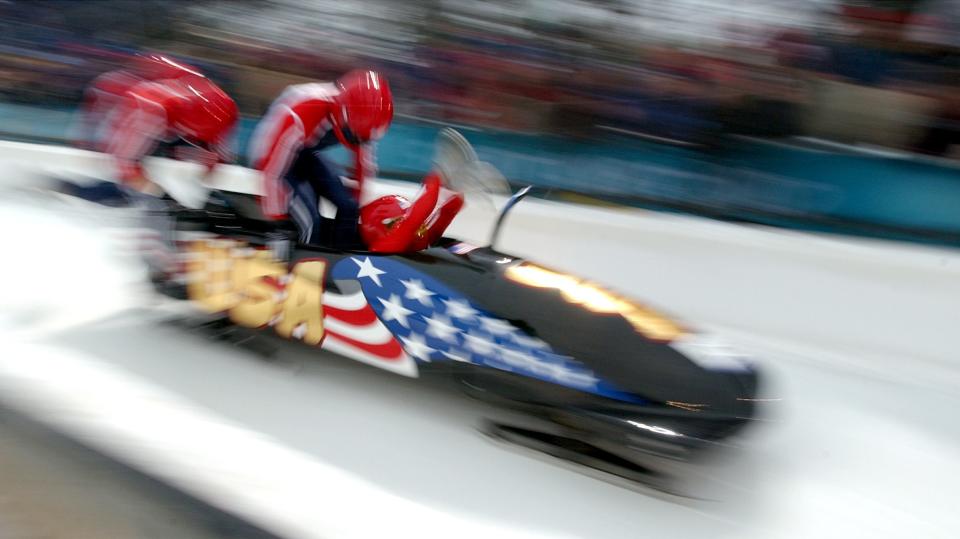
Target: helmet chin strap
{"x":343,"y":139}
{"x":336,"y":120}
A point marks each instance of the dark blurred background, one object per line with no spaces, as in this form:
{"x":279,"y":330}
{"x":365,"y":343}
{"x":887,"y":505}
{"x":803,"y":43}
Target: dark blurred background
{"x":778,"y":111}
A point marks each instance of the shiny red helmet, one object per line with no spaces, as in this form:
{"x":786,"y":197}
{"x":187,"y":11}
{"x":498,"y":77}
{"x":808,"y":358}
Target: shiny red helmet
{"x":380,"y":216}
{"x":365,"y":107}
{"x":207,"y":113}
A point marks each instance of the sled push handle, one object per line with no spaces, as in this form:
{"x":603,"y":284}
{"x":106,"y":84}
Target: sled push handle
{"x":511,"y":202}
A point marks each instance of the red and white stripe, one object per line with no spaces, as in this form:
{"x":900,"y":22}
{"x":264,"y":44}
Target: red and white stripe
{"x":134,"y":131}
{"x":297,"y":119}
{"x":275,"y":164}
{"x":353,"y":330}
{"x":351,"y":326}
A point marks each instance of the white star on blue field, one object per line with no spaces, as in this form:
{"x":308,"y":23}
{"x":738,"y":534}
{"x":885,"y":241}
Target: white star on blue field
{"x":436,"y":323}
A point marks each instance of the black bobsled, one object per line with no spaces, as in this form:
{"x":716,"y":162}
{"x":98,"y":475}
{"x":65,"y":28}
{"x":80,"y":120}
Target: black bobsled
{"x":579,"y":371}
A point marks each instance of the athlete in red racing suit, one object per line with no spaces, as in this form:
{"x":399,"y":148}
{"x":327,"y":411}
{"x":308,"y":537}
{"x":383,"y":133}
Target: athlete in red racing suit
{"x":104,"y":93}
{"x":190,"y":108}
{"x":159,"y":100}
{"x":392,"y":224}
{"x":287,"y":147}
{"x":288,"y":142}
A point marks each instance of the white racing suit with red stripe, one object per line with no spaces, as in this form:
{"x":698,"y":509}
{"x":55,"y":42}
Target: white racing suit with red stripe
{"x":288,"y":148}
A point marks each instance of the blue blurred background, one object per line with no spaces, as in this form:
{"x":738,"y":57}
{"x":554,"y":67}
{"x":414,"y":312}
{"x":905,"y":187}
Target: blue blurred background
{"x":823,"y":115}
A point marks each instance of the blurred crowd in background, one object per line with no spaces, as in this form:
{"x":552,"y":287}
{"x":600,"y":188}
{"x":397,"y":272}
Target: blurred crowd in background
{"x":686,"y":72}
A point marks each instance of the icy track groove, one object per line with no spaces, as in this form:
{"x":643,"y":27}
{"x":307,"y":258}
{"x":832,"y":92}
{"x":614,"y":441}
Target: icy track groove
{"x":856,"y":336}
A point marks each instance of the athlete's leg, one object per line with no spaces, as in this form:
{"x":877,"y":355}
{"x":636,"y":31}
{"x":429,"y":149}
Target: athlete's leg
{"x":303,"y":211}
{"x":303,"y":204}
{"x":324,"y":176}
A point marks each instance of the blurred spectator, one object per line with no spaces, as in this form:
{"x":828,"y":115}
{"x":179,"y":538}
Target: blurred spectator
{"x":684,"y":71}
{"x":942,"y":129}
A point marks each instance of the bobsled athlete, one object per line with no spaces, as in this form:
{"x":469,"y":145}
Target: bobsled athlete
{"x":189,"y":108}
{"x":105,"y":92}
{"x":288,"y":145}
{"x":160,"y":102}
{"x":393,"y":224}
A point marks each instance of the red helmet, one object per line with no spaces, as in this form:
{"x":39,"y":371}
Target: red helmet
{"x":379,"y":216}
{"x":208,"y":114}
{"x":365,"y":106}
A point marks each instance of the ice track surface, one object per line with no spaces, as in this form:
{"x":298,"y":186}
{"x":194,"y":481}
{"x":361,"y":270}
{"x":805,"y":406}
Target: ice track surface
{"x":856,"y":338}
